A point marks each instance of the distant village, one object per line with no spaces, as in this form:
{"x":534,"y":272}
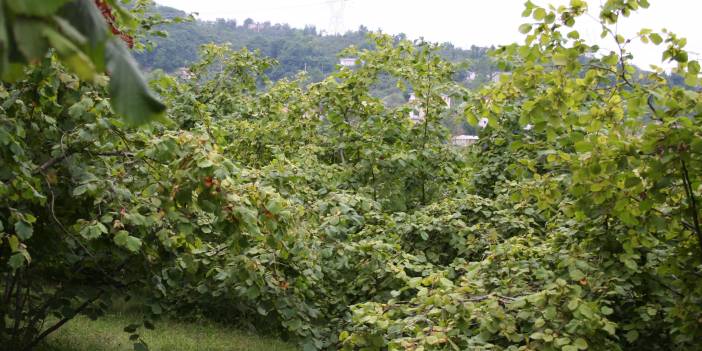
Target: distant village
{"x":416,"y":115}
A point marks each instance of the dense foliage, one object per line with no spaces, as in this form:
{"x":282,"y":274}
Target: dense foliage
{"x":320,"y":212}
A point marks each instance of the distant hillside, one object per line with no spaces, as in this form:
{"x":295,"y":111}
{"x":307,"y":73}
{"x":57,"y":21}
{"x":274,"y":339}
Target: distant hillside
{"x":295,"y":49}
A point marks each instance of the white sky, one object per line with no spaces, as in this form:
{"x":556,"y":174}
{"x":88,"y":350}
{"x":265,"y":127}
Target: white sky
{"x":461,"y":22}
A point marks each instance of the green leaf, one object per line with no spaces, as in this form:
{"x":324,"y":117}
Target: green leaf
{"x":14,"y":243}
{"x":80,"y":190}
{"x":631,"y":264}
{"x":693,"y":67}
{"x":93,"y":231}
{"x":123,"y":239}
{"x":585,"y":310}
{"x":16,"y":261}
{"x":133,"y":244}
{"x":262,"y":311}
{"x":70,"y":54}
{"x":84,"y":18}
{"x":583,"y":146}
{"x":580,"y":343}
{"x":606,"y":310}
{"x":560,"y":59}
{"x":655,"y":38}
{"x":632,"y":182}
{"x":24,"y":230}
{"x":30,"y":38}
{"x":691,"y":79}
{"x":610,"y":328}
{"x":525,"y":28}
{"x":632,"y":335}
{"x":72,"y":33}
{"x":4,"y":45}
{"x":471,"y":118}
{"x":611,"y":59}
{"x":681,"y":56}
{"x":39,"y":8}
{"x":537,"y":336}
{"x":131,"y":97}
{"x":205,"y":163}
{"x":576,"y":274}
{"x":274,"y":206}
{"x":539,"y":14}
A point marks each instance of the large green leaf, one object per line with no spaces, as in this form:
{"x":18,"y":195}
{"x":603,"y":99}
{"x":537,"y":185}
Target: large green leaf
{"x":123,"y":239}
{"x":131,"y":97}
{"x":30,"y":38}
{"x":24,"y":230}
{"x":4,"y":44}
{"x":71,"y":55}
{"x":130,"y":94}
{"x":36,"y":7}
{"x":85,"y":18}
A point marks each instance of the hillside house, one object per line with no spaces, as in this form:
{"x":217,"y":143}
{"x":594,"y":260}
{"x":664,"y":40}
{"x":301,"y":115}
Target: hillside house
{"x":348,"y":61}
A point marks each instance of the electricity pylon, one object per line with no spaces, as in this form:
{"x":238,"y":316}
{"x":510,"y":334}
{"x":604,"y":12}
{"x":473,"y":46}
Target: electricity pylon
{"x":336,"y":23}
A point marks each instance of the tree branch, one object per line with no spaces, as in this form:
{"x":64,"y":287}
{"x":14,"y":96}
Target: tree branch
{"x":63,"y":321}
{"x":692,"y":203}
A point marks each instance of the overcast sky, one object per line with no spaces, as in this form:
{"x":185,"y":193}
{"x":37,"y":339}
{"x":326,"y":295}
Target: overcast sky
{"x":461,"y":22}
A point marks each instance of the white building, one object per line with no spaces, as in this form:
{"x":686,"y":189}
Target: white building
{"x":464,"y":140}
{"x":348,"y":61}
{"x":470,"y":76}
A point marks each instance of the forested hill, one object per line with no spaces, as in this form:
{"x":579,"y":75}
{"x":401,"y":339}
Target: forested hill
{"x":295,"y":49}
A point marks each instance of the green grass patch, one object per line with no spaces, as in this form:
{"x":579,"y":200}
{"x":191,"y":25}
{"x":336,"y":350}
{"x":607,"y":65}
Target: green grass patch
{"x":82,"y":334}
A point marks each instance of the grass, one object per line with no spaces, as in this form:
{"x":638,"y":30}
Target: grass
{"x":82,"y":334}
